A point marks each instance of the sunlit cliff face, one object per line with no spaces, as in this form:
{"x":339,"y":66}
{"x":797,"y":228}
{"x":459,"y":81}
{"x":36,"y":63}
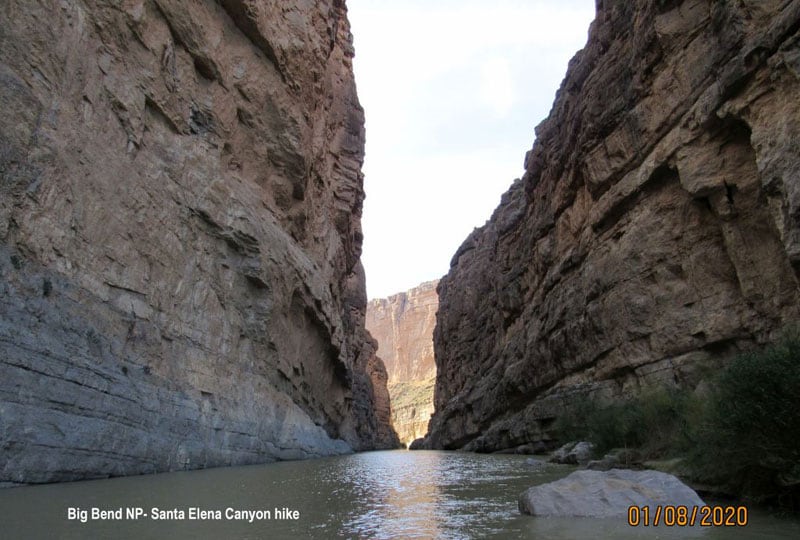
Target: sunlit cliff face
{"x":403,"y":326}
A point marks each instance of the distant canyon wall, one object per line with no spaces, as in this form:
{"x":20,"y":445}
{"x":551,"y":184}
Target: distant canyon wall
{"x":403,"y":326}
{"x":180,"y":202}
{"x":655,"y":233}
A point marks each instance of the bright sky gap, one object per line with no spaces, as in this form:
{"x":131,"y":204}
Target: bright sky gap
{"x":452,"y":92}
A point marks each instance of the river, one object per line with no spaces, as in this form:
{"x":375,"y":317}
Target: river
{"x":396,"y":494}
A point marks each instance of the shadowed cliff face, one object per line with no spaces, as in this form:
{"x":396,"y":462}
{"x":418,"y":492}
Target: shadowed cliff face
{"x":180,"y":238}
{"x":403,"y":325}
{"x":655,"y":231}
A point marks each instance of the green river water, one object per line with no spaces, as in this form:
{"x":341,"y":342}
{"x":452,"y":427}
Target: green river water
{"x":396,"y":494}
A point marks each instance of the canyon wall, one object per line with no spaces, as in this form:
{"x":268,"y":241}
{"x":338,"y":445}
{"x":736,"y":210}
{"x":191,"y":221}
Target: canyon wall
{"x":180,"y":239}
{"x":403,"y":326}
{"x":655,"y":232}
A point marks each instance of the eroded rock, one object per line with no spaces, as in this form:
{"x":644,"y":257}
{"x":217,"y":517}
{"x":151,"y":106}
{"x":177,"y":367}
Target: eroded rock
{"x":180,"y":238}
{"x":654,"y":234}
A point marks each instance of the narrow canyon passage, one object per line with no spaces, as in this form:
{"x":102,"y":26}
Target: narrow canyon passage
{"x":403,"y":326}
{"x":187,"y":244}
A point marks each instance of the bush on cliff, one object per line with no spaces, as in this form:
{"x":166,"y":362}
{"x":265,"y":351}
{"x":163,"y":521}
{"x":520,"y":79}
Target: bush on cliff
{"x":654,"y":421}
{"x":743,"y":436}
{"x":749,"y":437}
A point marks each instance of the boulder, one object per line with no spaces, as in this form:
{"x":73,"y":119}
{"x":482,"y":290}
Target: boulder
{"x":606,"y":494}
{"x":573,"y":453}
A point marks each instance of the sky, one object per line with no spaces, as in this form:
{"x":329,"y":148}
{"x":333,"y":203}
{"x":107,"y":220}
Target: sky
{"x":452,"y":91}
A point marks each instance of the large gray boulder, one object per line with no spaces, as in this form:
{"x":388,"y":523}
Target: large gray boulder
{"x":606,"y":494}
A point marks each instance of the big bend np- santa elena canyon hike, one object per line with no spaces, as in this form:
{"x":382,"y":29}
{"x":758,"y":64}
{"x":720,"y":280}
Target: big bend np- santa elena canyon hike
{"x":187,"y":346}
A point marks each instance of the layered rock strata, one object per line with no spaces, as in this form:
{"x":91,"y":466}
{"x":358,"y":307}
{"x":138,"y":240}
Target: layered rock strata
{"x":656,"y":230}
{"x":403,"y":326}
{"x":180,"y":238}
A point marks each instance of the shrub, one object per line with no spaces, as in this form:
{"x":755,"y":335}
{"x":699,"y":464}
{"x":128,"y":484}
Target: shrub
{"x":573,"y":423}
{"x":749,"y":439}
{"x":654,"y":421}
{"x":744,"y":437}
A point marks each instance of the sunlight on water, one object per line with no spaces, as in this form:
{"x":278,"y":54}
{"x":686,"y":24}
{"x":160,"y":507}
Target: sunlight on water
{"x":395,"y":494}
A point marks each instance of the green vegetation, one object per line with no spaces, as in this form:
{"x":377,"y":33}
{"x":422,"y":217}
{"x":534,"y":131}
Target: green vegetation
{"x":742,"y":436}
{"x":749,"y":438}
{"x":655,"y":422}
{"x":418,"y":393}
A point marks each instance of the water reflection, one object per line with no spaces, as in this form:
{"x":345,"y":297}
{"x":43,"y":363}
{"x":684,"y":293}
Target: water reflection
{"x":396,"y":503}
{"x":372,"y":495}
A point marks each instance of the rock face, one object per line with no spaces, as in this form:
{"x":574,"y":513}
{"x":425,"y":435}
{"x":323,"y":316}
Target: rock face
{"x":412,"y":407}
{"x":655,"y":232}
{"x":607,"y":494}
{"x":403,"y":326}
{"x":180,"y":238}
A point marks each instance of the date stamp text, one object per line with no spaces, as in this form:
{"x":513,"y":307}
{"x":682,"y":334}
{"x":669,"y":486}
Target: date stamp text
{"x":687,"y":516}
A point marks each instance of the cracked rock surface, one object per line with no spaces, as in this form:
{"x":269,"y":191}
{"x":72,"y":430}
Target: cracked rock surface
{"x":656,"y":230}
{"x":180,"y":202}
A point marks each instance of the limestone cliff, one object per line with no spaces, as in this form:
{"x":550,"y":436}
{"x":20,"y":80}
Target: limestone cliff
{"x":180,"y":202}
{"x":655,"y":232}
{"x":403,"y":326}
